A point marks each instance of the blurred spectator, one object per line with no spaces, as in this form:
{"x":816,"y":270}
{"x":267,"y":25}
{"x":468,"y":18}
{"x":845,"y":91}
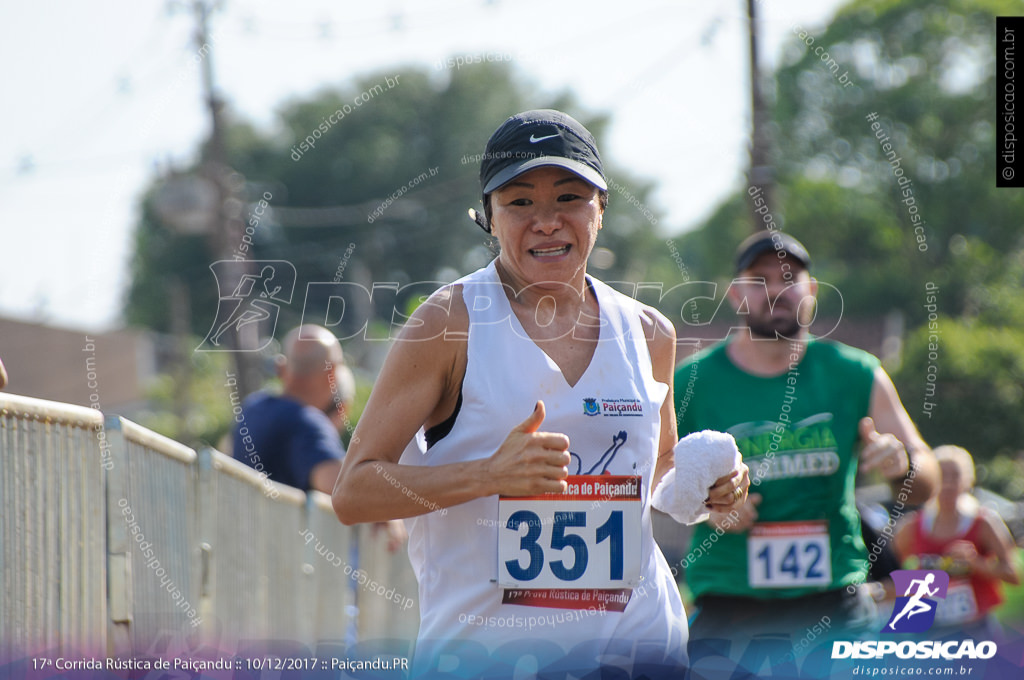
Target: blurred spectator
{"x":292,"y":437}
{"x":954,"y":533}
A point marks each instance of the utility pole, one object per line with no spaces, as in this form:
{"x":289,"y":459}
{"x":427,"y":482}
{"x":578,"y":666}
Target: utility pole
{"x":228,"y":219}
{"x":215,"y":152}
{"x":761,"y":172}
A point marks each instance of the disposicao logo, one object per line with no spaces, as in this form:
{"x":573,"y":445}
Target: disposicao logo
{"x":914,"y":611}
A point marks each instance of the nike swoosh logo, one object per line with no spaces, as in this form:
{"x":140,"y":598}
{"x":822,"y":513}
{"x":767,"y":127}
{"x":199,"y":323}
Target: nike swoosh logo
{"x":534,"y":140}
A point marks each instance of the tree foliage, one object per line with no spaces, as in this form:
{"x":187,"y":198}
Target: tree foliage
{"x":928,"y":72}
{"x":979,"y":384}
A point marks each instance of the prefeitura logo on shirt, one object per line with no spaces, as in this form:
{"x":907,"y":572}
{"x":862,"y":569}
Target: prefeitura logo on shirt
{"x":612,"y":407}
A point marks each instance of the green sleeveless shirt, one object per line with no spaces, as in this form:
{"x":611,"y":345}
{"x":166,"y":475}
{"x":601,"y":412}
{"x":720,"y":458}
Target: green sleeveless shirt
{"x":798,"y":434}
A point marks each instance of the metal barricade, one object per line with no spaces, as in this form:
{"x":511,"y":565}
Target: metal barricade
{"x":53,"y":591}
{"x":386,"y":592}
{"x":251,"y":530}
{"x":151,"y":537}
{"x":113,"y":538}
{"x":328,"y":558}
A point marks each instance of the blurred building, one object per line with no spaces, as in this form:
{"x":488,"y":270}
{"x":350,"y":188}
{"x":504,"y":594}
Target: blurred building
{"x":111,"y":370}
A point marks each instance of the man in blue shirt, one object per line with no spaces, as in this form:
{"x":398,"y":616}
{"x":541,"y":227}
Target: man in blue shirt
{"x":293,"y":437}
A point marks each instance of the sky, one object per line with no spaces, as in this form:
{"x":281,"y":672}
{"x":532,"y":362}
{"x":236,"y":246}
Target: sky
{"x":99,"y":96}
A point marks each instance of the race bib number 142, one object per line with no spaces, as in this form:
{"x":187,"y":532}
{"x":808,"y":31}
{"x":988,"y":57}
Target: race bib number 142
{"x":588,"y":537}
{"x":788,"y":555}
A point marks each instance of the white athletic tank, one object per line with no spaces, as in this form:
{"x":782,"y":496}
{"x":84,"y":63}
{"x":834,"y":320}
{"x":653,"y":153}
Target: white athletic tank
{"x":454,"y":552}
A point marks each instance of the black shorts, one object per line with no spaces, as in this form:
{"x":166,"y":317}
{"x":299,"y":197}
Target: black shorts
{"x":735,"y":637}
{"x":838,"y":611}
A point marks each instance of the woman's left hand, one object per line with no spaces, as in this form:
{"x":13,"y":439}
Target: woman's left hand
{"x":729,"y":492}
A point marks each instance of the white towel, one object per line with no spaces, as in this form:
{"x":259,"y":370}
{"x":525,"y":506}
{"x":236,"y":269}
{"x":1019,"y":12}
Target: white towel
{"x":700,"y":459}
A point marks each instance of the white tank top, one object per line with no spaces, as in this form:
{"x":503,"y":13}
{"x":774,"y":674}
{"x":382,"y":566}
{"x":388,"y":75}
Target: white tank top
{"x":612,"y":419}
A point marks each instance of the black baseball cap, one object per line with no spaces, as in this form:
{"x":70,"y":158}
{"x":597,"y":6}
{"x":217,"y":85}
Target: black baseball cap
{"x":538,"y":138}
{"x":765,"y":241}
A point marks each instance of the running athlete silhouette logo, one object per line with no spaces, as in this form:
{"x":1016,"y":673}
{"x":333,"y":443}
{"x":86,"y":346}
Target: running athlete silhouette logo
{"x":248,"y":299}
{"x":606,"y":458}
{"x":914,"y":605}
{"x":914,"y":612}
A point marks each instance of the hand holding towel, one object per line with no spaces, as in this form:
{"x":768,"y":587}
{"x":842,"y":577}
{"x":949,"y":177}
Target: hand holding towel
{"x":700,"y":459}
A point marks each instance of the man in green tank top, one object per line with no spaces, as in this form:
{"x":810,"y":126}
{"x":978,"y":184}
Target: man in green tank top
{"x":806,"y":413}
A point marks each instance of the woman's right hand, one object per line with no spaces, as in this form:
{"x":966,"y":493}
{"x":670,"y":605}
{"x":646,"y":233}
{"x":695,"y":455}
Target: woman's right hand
{"x":529,"y":462}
